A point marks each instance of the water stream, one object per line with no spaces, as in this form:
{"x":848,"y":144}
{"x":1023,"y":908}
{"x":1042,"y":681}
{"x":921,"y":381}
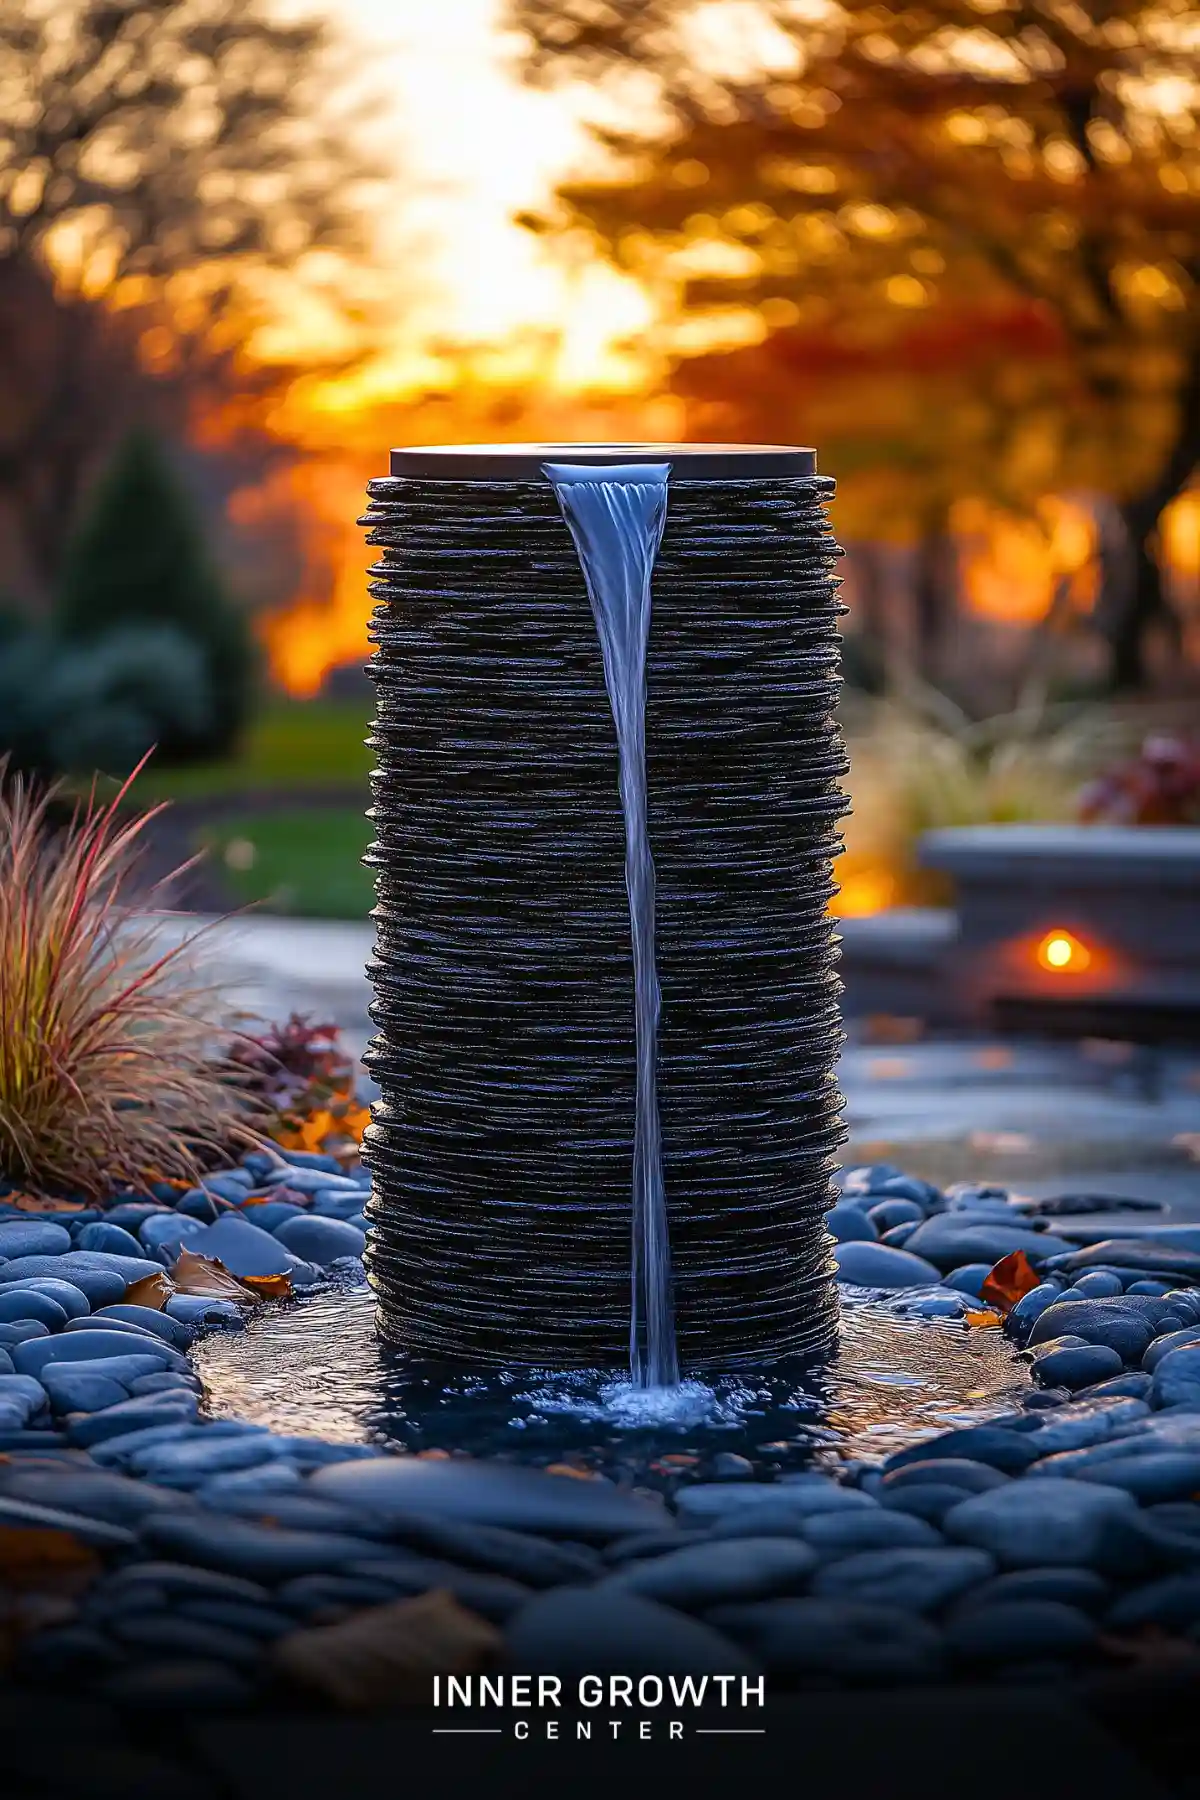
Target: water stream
{"x":616,"y":517}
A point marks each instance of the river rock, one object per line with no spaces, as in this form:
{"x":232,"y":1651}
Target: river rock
{"x":1175,"y":1382}
{"x":259,"y":1552}
{"x":167,"y":1633}
{"x":95,"y":1287}
{"x":1090,"y":1421}
{"x":25,"y":1304}
{"x":172,"y":1331}
{"x":1168,"y":1341}
{"x":269,"y":1215}
{"x":1112,"y":1323}
{"x":188,"y":1461}
{"x":96,"y":1493}
{"x":493,"y":1493}
{"x":29,"y":1515}
{"x":912,"y":1580}
{"x":245,"y":1250}
{"x":1081,"y":1588}
{"x":177,"y":1687}
{"x":1029,"y":1309}
{"x":708,"y":1501}
{"x":82,"y":1387}
{"x":1033,"y":1522}
{"x":849,"y":1224}
{"x":1153,"y":1477}
{"x":950,"y":1239}
{"x":958,"y":1471}
{"x":1077,"y":1367}
{"x":842,"y":1533}
{"x":968,"y":1280}
{"x":1014,"y":1631}
{"x":32,"y":1237}
{"x":851,"y":1640}
{"x":1172,"y":1603}
{"x":888,"y":1214}
{"x":101,"y":1235}
{"x":73,"y":1301}
{"x":321,"y":1241}
{"x":178,"y":1581}
{"x":999,"y":1446}
{"x":926,"y":1500}
{"x":21,"y":1332}
{"x":747,"y":1568}
{"x":881,"y":1266}
{"x":162,"y":1234}
{"x":205,"y":1315}
{"x":93,"y":1343}
{"x":133,"y":1415}
{"x":603,"y":1631}
{"x":21,"y":1398}
{"x":1148,"y":1256}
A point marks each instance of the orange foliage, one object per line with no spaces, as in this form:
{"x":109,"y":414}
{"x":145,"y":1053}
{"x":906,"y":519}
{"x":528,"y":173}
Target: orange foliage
{"x":1013,"y":1277}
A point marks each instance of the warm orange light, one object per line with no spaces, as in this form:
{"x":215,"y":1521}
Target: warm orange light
{"x":1060,"y":952}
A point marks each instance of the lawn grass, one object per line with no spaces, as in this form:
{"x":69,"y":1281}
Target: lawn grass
{"x":292,"y":744}
{"x":303,"y":862}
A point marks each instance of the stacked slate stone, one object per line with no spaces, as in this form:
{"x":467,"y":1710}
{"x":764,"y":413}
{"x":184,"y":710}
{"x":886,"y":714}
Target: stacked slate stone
{"x":1045,"y":1541}
{"x":501,"y":1148}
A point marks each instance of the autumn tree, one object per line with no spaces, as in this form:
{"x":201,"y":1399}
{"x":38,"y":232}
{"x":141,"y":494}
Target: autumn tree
{"x":163,"y":165}
{"x":829,"y":161}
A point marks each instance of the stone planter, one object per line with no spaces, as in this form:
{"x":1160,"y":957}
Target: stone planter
{"x":1095,"y":928}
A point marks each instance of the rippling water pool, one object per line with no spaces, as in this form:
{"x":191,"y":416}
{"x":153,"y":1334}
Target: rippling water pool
{"x":316,"y":1366}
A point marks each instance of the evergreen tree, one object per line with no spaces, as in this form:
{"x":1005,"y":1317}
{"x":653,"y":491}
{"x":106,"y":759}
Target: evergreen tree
{"x":138,"y":559}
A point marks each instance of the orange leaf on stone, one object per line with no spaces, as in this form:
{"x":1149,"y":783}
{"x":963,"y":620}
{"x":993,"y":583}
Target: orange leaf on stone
{"x":42,"y":1203}
{"x":151,"y":1290}
{"x":208,"y":1277}
{"x":1011,"y":1278}
{"x":386,"y":1655}
{"x":269,"y":1287}
{"x":983,"y":1320}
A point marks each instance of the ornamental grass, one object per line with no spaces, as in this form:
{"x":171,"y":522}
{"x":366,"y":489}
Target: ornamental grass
{"x":109,"y":1076}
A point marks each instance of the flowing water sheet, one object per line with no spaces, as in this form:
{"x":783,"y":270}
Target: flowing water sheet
{"x":616,"y":517}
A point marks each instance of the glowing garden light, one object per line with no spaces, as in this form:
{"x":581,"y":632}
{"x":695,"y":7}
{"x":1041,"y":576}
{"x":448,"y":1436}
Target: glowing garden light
{"x":1062,"y":953}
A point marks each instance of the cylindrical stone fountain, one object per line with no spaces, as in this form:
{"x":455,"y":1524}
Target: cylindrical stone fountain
{"x":597,"y":750}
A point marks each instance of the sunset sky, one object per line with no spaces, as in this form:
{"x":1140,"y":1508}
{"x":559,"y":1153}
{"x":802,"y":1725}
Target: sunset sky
{"x":475,"y":146}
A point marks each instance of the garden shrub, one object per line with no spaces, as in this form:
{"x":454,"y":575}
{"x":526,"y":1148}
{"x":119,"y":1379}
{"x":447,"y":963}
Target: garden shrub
{"x":138,"y":559}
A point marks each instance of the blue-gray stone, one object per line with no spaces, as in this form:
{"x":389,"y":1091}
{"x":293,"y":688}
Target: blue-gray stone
{"x":192,"y":1460}
{"x":172,"y":1331}
{"x":1156,"y":1476}
{"x":177,"y":1581}
{"x":7,"y":1365}
{"x":958,"y":1471}
{"x":65,"y":1651}
{"x":1028,"y":1523}
{"x":82,"y":1387}
{"x":21,"y":1398}
{"x":269,"y":1215}
{"x":950,"y":1239}
{"x":881,"y":1266}
{"x":1176,"y":1380}
{"x":279,"y":1475}
{"x":123,"y":1330}
{"x":105,"y":1236}
{"x":130,"y":1215}
{"x":1078,"y":1367}
{"x":71,"y":1299}
{"x":1160,"y":1288}
{"x":850,"y":1224}
{"x":321,"y":1241}
{"x":229,"y":1184}
{"x":20,"y":1238}
{"x":133,"y":1415}
{"x":493,"y":1493}
{"x":21,"y":1304}
{"x":926,"y":1500}
{"x":19,"y":1513}
{"x":1012,"y":1631}
{"x":912,"y":1580}
{"x":22,"y":1331}
{"x":94,"y":1493}
{"x":129,"y":1268}
{"x":1133,"y":1385}
{"x":244,"y":1249}
{"x":1030,"y":1307}
{"x":715,"y":1574}
{"x":854,"y":1641}
{"x":708,"y":1501}
{"x":1172,"y":1603}
{"x":842,"y":1533}
{"x":163,"y":1233}
{"x":887,"y":1214}
{"x":311,"y":1177}
{"x":1073,"y":1587}
{"x":341,"y":1204}
{"x":95,"y":1287}
{"x":196,"y":1204}
{"x":1084,"y":1422}
{"x":263,"y":1622}
{"x":166,"y":1381}
{"x":90,"y":1344}
{"x":259,"y":1552}
{"x":600,"y":1630}
{"x":168,"y":1633}
{"x":1101,"y":1284}
{"x":202,"y":1314}
{"x":1168,"y":1341}
{"x":969,"y":1279}
{"x":998,"y":1446}
{"x":1114,"y":1323}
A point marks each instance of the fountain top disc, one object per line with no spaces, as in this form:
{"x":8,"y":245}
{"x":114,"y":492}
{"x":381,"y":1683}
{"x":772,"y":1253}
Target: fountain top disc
{"x":523,"y":462}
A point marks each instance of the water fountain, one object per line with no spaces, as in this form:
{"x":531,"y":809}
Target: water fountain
{"x":607,"y":772}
